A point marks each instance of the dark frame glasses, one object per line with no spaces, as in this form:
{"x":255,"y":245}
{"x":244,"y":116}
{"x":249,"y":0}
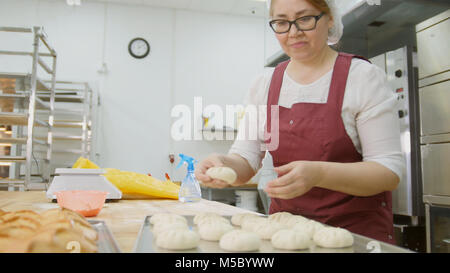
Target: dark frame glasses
{"x":296,"y":23}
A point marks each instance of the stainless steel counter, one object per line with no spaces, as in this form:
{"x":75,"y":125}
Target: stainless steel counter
{"x":145,"y":243}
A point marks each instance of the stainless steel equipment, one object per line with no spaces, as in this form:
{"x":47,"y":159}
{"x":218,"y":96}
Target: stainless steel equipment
{"x":145,"y":243}
{"x":25,"y":115}
{"x":434,"y":91}
{"x":401,"y":70}
{"x":106,"y":242}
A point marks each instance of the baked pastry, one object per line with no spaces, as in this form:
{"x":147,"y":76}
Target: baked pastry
{"x":55,"y":230}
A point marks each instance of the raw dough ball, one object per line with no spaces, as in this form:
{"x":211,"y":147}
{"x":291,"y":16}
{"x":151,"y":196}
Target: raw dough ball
{"x":309,"y":228}
{"x":280,"y":217}
{"x":222,"y":173}
{"x":213,"y":231}
{"x":200,"y":216}
{"x":163,"y":226}
{"x":167,"y":218}
{"x":213,"y":220}
{"x":240,"y":240}
{"x":178,"y":239}
{"x":331,"y":237}
{"x":293,"y":220}
{"x":250,"y":223}
{"x":290,"y":239}
{"x":267,"y":229}
{"x":239,"y":218}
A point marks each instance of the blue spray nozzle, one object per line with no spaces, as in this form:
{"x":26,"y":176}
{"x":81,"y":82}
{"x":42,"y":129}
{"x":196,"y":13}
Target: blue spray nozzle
{"x":189,"y":160}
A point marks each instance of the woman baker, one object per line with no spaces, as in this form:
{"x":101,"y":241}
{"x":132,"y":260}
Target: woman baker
{"x":339,"y":156}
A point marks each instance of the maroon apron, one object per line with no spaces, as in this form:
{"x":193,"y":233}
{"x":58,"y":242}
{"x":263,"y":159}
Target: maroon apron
{"x":316,"y":132}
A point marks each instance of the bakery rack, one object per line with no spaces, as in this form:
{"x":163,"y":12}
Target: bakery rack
{"x":72,"y":134}
{"x":22,"y":95}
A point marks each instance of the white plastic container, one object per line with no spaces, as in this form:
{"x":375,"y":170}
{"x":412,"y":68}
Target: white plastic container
{"x":247,"y":199}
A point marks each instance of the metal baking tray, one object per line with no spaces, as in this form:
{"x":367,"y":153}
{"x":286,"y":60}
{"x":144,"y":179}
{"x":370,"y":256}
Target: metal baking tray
{"x":106,"y":242}
{"x":145,"y":243}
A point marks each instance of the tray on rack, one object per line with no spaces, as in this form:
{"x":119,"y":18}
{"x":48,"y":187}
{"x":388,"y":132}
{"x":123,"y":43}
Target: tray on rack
{"x":106,"y":242}
{"x":145,"y":243}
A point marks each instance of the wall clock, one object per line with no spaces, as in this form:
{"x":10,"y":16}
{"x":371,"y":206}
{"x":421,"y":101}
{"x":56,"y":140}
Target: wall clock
{"x":139,"y":48}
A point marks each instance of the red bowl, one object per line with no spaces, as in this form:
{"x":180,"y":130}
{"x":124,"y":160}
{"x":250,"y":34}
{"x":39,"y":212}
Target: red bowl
{"x":87,"y":203}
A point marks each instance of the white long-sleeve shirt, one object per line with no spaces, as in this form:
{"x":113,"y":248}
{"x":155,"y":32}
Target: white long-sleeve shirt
{"x":369,"y":113}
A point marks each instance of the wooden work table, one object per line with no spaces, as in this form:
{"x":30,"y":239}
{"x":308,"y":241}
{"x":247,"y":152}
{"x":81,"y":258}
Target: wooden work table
{"x":125,"y":217}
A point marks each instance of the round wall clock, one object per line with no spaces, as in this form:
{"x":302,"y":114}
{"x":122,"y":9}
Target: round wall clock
{"x":139,"y":48}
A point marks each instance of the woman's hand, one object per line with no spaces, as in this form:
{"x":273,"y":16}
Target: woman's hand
{"x":295,"y":179}
{"x":214,"y":160}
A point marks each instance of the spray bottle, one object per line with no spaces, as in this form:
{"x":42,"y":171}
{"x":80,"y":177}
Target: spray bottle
{"x":266,"y":174}
{"x":190,"y":188}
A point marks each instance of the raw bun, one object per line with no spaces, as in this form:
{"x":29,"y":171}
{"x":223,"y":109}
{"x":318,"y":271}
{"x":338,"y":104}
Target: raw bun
{"x":290,"y":239}
{"x":222,"y":173}
{"x":251,"y":223}
{"x":240,"y":241}
{"x":309,"y":228}
{"x":213,"y":231}
{"x":331,"y":237}
{"x":293,"y":220}
{"x":280,"y":217}
{"x":213,"y":220}
{"x":202,"y":215}
{"x":167,"y":218}
{"x":267,"y":229}
{"x":160,"y":227}
{"x":178,"y":239}
{"x":239,"y":218}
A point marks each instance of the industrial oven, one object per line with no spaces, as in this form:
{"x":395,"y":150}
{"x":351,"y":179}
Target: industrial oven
{"x":434,"y":93}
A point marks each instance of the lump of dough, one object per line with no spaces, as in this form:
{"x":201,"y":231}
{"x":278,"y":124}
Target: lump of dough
{"x":267,"y":229}
{"x":239,"y":218}
{"x":331,"y":237}
{"x":163,"y":226}
{"x":213,"y":220}
{"x":200,"y":216}
{"x":290,"y":239}
{"x":309,"y":228}
{"x":167,"y":218}
{"x":280,"y":217}
{"x":251,"y":223}
{"x":178,"y":239}
{"x":293,"y":220}
{"x":240,"y":240}
{"x":222,"y":173}
{"x":213,"y":231}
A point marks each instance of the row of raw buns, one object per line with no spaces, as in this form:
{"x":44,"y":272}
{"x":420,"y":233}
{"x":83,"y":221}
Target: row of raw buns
{"x":286,"y":231}
{"x":55,"y":231}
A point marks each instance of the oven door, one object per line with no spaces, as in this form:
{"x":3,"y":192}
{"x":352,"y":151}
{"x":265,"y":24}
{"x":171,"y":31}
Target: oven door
{"x":438,"y":228}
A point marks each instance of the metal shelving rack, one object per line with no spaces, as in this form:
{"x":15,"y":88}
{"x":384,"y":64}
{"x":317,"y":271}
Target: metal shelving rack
{"x":26,"y":103}
{"x":73,"y":120}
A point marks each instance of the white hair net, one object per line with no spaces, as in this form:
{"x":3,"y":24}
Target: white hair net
{"x":336,"y":32}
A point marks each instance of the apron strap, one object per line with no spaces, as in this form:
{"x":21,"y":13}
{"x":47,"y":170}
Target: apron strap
{"x":337,"y":87}
{"x":340,"y":77}
{"x":274,"y":90}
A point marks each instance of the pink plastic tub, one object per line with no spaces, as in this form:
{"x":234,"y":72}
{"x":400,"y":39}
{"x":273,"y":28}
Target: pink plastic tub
{"x":87,"y":203}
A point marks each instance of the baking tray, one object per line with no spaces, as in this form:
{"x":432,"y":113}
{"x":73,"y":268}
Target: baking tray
{"x":145,"y":243}
{"x":106,"y":242}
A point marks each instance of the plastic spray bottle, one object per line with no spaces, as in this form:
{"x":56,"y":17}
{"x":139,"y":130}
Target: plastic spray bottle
{"x":267,"y":174}
{"x":190,"y":188}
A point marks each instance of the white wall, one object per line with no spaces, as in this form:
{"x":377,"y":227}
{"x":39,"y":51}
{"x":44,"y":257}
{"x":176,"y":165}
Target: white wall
{"x":193,"y":54}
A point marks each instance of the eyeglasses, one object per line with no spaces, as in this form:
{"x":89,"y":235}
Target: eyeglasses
{"x":304,"y":23}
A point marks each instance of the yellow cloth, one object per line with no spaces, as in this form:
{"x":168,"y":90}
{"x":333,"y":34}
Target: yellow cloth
{"x":134,"y":183}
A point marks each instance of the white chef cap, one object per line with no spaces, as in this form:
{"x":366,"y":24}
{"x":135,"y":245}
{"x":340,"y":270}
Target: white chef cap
{"x":336,"y":32}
